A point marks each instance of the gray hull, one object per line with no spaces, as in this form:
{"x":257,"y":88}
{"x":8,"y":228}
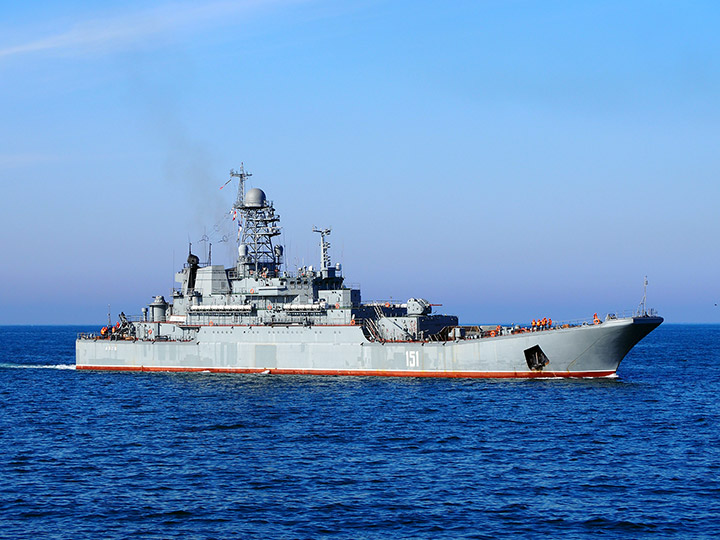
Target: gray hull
{"x":582,"y":351}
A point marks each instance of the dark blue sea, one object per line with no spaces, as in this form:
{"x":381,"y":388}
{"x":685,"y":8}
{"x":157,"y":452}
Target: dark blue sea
{"x":106,"y":455}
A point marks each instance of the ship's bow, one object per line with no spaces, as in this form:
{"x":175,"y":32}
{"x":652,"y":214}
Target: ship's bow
{"x":615,"y":339}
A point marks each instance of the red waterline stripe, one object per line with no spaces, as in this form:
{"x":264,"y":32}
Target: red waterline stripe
{"x":370,"y":373}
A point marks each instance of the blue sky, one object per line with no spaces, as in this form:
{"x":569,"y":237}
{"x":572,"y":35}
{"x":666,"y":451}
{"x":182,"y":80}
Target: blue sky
{"x":506,"y":159}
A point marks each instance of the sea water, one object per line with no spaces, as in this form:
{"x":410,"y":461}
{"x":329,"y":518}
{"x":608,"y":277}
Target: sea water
{"x":88,"y":455}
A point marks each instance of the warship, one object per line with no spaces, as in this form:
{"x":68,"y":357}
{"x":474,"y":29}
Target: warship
{"x":257,"y":317}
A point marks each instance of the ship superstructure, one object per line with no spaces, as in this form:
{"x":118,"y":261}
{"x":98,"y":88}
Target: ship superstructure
{"x":257,"y":317}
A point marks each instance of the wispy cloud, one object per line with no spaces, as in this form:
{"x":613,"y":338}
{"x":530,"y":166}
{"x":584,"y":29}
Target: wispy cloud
{"x":135,"y":29}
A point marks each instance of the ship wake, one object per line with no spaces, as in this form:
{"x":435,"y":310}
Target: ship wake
{"x":37,"y":366}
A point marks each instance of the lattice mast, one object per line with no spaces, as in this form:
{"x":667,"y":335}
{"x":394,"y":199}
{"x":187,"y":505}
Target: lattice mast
{"x":258,"y":225}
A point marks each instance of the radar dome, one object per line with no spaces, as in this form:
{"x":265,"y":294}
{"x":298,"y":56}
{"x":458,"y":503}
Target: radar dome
{"x":255,"y":198}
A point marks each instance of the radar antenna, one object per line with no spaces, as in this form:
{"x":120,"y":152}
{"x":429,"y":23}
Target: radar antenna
{"x":324,"y":247}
